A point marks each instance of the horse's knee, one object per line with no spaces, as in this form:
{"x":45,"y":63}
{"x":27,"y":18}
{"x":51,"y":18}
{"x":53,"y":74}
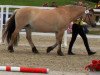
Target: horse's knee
{"x":14,"y":35}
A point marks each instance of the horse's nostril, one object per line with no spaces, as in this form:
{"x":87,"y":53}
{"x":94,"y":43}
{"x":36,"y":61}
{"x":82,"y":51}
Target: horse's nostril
{"x":93,"y":25}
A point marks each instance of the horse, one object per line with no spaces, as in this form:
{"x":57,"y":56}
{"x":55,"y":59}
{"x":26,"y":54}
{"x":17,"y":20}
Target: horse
{"x":44,"y":20}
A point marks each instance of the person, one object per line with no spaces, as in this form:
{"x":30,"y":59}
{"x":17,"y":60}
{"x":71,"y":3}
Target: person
{"x":80,"y":3}
{"x":98,"y":5}
{"x":53,"y":4}
{"x":45,"y":4}
{"x":77,"y":28}
{"x":69,"y":29}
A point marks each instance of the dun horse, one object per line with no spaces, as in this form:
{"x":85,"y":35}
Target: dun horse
{"x":40,"y":20}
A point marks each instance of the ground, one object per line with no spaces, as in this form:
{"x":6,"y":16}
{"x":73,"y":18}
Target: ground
{"x":23,"y":55}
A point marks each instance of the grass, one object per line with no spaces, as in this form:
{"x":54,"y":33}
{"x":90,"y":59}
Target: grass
{"x":38,"y":2}
{"x":33,"y":2}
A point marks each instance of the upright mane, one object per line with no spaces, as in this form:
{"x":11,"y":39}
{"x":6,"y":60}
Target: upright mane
{"x":75,"y":10}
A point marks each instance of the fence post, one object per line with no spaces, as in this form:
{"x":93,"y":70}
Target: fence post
{"x":7,"y":12}
{"x":1,"y":23}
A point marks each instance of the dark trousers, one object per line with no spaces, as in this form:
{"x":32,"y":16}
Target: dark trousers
{"x":78,"y":29}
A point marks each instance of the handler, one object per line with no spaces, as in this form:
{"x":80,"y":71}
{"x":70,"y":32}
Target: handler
{"x":77,"y":28}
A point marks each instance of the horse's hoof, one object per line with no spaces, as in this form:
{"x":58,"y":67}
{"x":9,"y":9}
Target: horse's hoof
{"x":34,"y":50}
{"x":49,"y":49}
{"x":60,"y":53}
{"x":10,"y":49}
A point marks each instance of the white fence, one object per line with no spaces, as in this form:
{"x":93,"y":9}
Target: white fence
{"x":5,"y":9}
{"x":97,"y":13}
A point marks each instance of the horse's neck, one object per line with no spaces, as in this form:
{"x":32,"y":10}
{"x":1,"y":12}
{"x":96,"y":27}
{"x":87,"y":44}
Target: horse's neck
{"x":76,"y":13}
{"x":71,"y":13}
{"x":63,"y":12}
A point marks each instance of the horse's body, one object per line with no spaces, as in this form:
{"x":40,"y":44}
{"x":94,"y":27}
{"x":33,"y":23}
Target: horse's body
{"x":44,"y":20}
{"x":41,"y":20}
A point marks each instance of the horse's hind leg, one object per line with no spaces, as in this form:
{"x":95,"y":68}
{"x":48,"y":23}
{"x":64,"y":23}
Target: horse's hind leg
{"x":13,"y":39}
{"x":28,"y":36}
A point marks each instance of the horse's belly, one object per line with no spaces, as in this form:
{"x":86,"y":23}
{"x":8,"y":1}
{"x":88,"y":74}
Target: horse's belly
{"x":43,"y":29}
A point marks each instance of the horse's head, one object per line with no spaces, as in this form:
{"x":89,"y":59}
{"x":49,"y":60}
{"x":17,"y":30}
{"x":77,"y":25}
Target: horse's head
{"x":89,"y":17}
{"x":75,"y":12}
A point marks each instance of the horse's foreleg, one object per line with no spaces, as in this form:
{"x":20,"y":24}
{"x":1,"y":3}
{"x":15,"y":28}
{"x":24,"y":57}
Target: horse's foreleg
{"x":59,"y":41}
{"x":51,"y":47}
{"x":28,"y":36}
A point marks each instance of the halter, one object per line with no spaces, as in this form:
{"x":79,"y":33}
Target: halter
{"x":87,"y":12}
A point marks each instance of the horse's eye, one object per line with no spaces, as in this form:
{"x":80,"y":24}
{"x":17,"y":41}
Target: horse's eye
{"x":90,"y":14}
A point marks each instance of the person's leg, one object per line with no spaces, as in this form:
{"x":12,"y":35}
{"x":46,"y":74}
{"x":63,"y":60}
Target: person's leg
{"x":83,"y":35}
{"x":74,"y":35}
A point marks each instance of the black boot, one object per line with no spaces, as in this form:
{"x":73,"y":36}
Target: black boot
{"x":91,"y":53}
{"x":71,"y":53}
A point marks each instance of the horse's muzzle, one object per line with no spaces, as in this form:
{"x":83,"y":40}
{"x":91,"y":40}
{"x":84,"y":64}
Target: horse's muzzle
{"x":93,"y":25}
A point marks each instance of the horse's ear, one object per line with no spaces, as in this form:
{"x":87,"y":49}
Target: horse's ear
{"x":86,"y":11}
{"x":91,"y":10}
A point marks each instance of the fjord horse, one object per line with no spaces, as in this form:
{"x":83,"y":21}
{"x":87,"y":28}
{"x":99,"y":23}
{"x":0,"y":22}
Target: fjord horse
{"x":41,"y":20}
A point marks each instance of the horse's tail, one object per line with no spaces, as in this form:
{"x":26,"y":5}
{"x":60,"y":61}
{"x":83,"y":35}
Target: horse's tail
{"x":10,"y":27}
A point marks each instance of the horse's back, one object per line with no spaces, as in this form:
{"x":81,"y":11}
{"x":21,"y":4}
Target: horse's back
{"x":47,"y":19}
{"x":25,"y":14}
{"x":32,"y":10}
{"x":27,"y":11}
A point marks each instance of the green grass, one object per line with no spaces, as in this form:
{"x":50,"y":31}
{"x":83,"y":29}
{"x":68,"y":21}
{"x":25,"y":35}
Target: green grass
{"x":32,"y":2}
{"x":37,"y":2}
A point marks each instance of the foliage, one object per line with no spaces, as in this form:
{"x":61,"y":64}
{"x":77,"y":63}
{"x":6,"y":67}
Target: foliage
{"x":36,"y":2}
{"x":94,"y":1}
